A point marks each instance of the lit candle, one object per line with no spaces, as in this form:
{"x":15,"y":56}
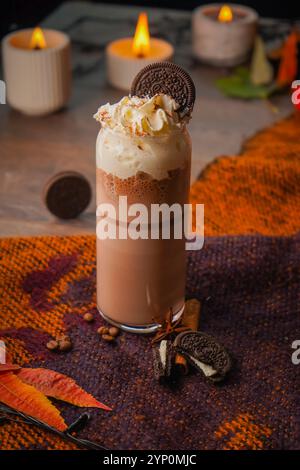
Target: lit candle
{"x":37,"y":40}
{"x":37,"y":70}
{"x":127,"y":56}
{"x":224,"y":34}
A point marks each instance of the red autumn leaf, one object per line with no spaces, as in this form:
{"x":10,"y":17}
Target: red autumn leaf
{"x":288,"y":65}
{"x":56,"y":385}
{"x":28,"y":400}
{"x":8,"y":367}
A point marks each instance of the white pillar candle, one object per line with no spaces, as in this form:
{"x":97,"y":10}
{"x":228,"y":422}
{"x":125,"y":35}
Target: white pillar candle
{"x":123,"y":65}
{"x":38,"y":80}
{"x":225,"y":41}
{"x":127,"y":56}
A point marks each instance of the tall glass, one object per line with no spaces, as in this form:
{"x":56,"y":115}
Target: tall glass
{"x":140,"y":280}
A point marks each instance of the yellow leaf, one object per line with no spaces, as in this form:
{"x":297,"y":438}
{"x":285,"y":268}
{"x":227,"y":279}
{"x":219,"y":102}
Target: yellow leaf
{"x":261,"y":71}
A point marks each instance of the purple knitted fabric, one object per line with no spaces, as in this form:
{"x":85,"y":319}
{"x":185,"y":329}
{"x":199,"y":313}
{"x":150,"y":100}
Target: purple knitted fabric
{"x":249,"y":288}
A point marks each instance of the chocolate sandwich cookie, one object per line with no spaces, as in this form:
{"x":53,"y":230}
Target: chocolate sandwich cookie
{"x":67,"y":194}
{"x":163,"y":360}
{"x":204,"y":353}
{"x":169,"y":79}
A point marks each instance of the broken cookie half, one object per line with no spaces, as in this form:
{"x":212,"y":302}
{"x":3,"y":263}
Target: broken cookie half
{"x":204,"y":353}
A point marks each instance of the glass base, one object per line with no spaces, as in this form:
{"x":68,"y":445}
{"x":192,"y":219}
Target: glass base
{"x":140,"y":329}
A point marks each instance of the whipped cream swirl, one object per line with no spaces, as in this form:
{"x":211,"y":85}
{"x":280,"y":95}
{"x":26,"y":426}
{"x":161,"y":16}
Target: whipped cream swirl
{"x":142,"y":135}
{"x":142,"y":116}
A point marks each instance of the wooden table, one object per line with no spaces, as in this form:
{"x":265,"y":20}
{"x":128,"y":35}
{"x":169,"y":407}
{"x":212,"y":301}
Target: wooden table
{"x":33,"y":149}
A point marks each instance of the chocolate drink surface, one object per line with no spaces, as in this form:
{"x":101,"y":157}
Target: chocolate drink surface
{"x":144,"y":153}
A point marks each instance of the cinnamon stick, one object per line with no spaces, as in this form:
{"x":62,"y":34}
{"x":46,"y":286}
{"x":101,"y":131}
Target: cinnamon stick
{"x":190,"y":319}
{"x":191,"y":314}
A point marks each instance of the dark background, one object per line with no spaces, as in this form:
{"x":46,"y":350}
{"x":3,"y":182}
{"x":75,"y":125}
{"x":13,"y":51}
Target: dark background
{"x":17,"y":14}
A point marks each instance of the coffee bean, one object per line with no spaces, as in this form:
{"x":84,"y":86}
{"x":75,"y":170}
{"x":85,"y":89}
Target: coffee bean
{"x":88,"y":317}
{"x":102,"y":330}
{"x":139,"y":417}
{"x":62,"y":338}
{"x":108,"y":338}
{"x":65,"y":345}
{"x":52,"y":345}
{"x":113,"y":331}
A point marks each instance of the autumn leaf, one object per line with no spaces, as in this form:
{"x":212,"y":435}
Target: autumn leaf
{"x":288,"y":65}
{"x":239,"y":85}
{"x":261,"y":71}
{"x":59,"y":386}
{"x":28,"y":400}
{"x":8,"y":367}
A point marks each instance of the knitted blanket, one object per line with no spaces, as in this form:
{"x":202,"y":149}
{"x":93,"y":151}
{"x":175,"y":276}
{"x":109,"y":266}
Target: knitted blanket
{"x":248,"y":284}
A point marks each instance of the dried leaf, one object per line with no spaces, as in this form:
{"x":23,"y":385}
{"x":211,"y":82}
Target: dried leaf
{"x":8,"y":367}
{"x":261,"y":71}
{"x":56,"y":385}
{"x":25,"y":398}
{"x":288,"y":65}
{"x":239,"y":85}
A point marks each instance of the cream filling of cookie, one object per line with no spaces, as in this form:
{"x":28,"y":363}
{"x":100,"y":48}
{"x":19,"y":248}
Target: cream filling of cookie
{"x":163,"y":353}
{"x":207,"y":370}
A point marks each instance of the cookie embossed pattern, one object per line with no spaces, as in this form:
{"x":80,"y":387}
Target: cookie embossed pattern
{"x":169,"y":79}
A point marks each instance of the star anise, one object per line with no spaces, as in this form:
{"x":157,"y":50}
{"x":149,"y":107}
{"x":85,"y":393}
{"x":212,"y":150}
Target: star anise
{"x":168,"y":328}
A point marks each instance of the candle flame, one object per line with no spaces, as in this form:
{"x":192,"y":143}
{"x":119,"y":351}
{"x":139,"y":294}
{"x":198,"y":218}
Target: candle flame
{"x":225,"y":14}
{"x":141,"y":41}
{"x":37,"y":40}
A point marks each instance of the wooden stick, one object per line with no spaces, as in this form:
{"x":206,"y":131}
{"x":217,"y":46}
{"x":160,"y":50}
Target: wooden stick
{"x":190,"y":319}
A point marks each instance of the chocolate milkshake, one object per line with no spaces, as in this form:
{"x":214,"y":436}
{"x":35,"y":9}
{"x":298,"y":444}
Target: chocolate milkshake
{"x":143,"y":152}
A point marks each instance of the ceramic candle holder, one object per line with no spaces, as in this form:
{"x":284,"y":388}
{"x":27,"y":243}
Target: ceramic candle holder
{"x":225,"y":43}
{"x":38,"y":82}
{"x":122,"y":65}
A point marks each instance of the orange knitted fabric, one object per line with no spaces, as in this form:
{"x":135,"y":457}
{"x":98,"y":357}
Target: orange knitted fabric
{"x":257,"y":191}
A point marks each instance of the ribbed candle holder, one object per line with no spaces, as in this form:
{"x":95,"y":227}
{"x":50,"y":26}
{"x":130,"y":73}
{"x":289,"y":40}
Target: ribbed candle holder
{"x":226,"y":43}
{"x":38,"y":81}
{"x":122,"y":65}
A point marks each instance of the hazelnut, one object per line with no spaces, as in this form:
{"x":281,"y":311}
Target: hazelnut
{"x":88,"y":317}
{"x":102,"y":330}
{"x":113,"y":331}
{"x":108,"y":338}
{"x":52,"y":345}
